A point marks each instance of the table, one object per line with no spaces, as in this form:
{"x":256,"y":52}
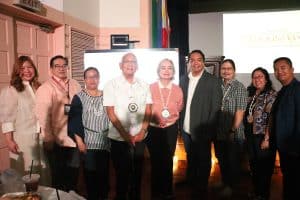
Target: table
{"x":49,"y":193}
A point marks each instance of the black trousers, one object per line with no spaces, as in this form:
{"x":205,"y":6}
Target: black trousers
{"x":229,"y":155}
{"x":96,"y":173}
{"x":63,"y":173}
{"x":261,"y":165}
{"x":290,"y":165}
{"x":161,"y":143}
{"x":128,"y":164}
{"x":199,"y":161}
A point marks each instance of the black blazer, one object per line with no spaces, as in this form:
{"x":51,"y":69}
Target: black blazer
{"x":205,"y":106}
{"x":286,"y":118}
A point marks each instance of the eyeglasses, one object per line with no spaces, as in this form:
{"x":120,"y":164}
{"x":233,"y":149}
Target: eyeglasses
{"x":258,"y":77}
{"x":61,"y":66}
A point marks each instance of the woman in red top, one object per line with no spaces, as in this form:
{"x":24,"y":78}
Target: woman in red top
{"x":161,"y":141}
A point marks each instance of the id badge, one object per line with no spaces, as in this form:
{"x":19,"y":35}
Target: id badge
{"x":67,"y":108}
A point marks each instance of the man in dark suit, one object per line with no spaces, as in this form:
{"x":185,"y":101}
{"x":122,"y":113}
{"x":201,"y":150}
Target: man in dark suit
{"x":285,"y":127}
{"x":202,"y":96}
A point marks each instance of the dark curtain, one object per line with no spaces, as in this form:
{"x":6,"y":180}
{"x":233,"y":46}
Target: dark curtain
{"x":179,"y":38}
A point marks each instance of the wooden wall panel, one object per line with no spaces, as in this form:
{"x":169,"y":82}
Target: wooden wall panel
{"x":37,"y":44}
{"x":6,"y":49}
{"x":6,"y":64}
{"x":26,"y":38}
{"x":42,"y":63}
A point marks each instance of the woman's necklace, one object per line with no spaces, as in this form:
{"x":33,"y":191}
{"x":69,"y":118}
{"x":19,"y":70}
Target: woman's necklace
{"x":165,"y":113}
{"x":251,"y":107}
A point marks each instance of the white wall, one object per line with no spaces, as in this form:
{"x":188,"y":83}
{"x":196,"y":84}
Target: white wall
{"x":56,"y":4}
{"x":120,"y":13}
{"x":206,"y":33}
{"x":101,"y":13}
{"x":85,"y":10}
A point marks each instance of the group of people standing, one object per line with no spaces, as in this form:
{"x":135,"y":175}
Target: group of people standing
{"x":69,"y":127}
{"x":59,"y":125}
{"x":225,"y":113}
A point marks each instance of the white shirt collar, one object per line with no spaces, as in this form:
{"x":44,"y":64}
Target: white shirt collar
{"x":60,"y":80}
{"x":191,"y":77}
{"x":229,"y":82}
{"x":124,"y":79}
{"x":29,"y":88}
{"x":26,"y":82}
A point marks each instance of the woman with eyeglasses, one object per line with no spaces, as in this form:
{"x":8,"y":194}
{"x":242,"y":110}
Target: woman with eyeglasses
{"x":261,"y":96}
{"x":88,"y":126}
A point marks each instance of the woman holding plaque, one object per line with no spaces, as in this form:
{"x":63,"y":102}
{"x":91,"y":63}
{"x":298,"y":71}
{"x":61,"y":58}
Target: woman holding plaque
{"x":261,"y":152}
{"x":161,"y":141}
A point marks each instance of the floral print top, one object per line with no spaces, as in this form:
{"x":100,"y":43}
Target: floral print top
{"x":259,"y":106}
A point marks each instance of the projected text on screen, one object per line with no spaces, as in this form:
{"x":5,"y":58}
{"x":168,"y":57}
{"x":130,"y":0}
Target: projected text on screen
{"x":256,"y":39}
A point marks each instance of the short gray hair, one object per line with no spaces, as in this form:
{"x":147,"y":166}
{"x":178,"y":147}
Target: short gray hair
{"x":164,"y":60}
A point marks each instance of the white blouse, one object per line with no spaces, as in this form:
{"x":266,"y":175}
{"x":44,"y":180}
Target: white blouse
{"x":17,"y":115}
{"x":17,"y":110}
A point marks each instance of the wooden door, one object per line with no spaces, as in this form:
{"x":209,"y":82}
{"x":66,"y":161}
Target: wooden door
{"x":6,"y":49}
{"x":30,"y":41}
{"x":6,"y":63}
{"x":33,"y":42}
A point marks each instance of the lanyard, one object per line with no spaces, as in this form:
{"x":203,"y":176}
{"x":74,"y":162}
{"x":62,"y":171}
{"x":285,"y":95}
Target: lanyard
{"x":165,"y":104}
{"x":252,"y":105}
{"x":224,"y":96}
{"x":62,"y":87}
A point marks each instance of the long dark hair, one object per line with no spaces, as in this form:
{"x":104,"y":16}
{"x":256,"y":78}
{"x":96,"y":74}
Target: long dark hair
{"x":269,"y":86}
{"x":16,"y":80}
